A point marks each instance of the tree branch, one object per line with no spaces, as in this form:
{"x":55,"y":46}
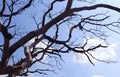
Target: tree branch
{"x":16,"y":12}
{"x":95,"y":7}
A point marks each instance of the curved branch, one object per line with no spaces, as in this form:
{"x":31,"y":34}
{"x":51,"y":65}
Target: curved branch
{"x":44,"y":16}
{"x":28,"y":61}
{"x":18,"y":11}
{"x":95,"y":7}
{"x":3,"y":8}
{"x":35,"y":33}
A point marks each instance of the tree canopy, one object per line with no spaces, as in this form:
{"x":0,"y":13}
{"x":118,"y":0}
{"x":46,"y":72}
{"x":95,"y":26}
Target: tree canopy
{"x":56,"y":27}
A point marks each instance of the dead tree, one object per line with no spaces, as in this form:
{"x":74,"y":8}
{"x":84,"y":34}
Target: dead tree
{"x":54,"y":45}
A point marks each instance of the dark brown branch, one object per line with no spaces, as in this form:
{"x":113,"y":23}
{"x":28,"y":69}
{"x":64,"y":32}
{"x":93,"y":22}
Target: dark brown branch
{"x":7,"y":37}
{"x":98,"y":46}
{"x":35,"y":33}
{"x":89,"y":59}
{"x":3,"y":8}
{"x":69,"y":5}
{"x":95,"y":7}
{"x":18,"y":11}
{"x":44,"y":16}
{"x":32,"y":34}
{"x":64,"y":46}
{"x":104,"y":61}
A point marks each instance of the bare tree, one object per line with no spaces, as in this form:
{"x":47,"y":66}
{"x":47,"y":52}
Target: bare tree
{"x":57,"y":43}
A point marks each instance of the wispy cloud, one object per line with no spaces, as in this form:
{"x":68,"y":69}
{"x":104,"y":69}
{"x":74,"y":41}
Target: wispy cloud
{"x":101,"y":53}
{"x":97,"y":76}
{"x":3,"y":76}
{"x":30,"y":75}
{"x":40,"y":44}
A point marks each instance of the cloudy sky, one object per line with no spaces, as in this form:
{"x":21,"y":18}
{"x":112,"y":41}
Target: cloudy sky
{"x":77,"y":65}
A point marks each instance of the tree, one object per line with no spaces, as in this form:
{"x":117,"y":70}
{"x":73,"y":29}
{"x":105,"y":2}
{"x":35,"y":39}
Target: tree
{"x":67,"y":19}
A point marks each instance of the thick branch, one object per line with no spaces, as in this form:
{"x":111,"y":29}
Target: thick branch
{"x":69,"y":4}
{"x":7,"y":37}
{"x":95,"y":7}
{"x":44,"y":29}
{"x":32,"y":34}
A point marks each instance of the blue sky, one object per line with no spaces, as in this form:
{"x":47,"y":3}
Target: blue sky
{"x":79,"y":66}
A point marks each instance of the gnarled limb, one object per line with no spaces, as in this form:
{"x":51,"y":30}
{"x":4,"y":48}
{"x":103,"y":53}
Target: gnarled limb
{"x":27,"y":62}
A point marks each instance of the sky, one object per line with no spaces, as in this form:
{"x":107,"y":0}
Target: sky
{"x":80,"y":67}
{"x":77,"y":65}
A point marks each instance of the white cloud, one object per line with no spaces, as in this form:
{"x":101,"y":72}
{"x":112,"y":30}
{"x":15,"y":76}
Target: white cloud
{"x":30,"y":75}
{"x":101,"y":53}
{"x":97,"y":76}
{"x":40,"y":44}
{"x":2,"y":75}
{"x":94,"y":42}
{"x":80,"y":58}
